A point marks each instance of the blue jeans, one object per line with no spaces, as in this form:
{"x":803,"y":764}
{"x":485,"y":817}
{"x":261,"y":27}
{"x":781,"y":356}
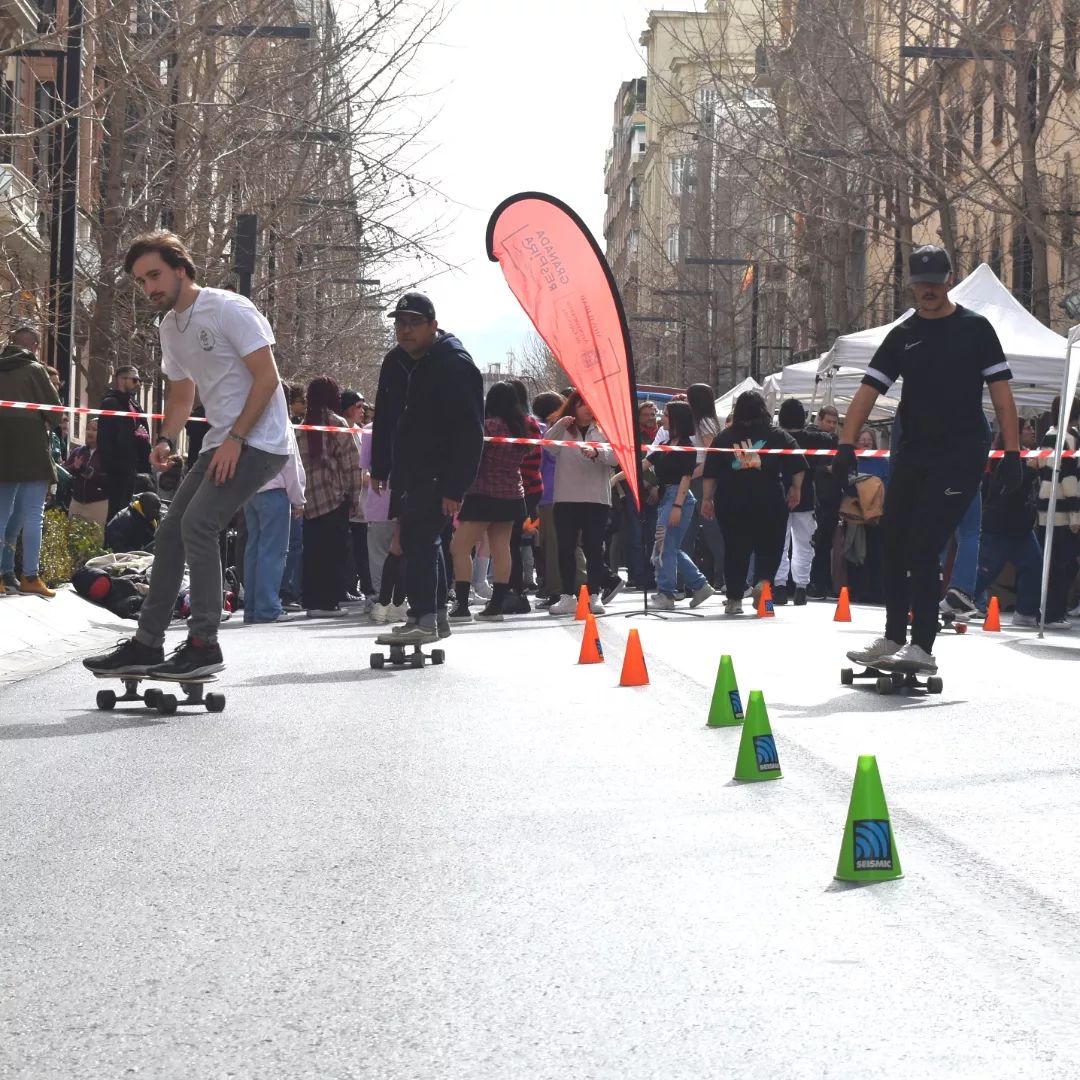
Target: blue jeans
{"x":673,"y":559}
{"x":292,"y":579}
{"x":22,"y":509}
{"x":268,"y":516}
{"x":965,"y":566}
{"x":1023,"y":551}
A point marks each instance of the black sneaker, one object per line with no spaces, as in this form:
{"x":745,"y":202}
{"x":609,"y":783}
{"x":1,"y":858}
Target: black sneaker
{"x":460,"y":614}
{"x":190,"y":660}
{"x":612,"y":589}
{"x":130,"y":657}
{"x":800,"y":596}
{"x":10,"y":580}
{"x":815,"y":592}
{"x":516,"y":604}
{"x":779,"y":596}
{"x":490,"y":613}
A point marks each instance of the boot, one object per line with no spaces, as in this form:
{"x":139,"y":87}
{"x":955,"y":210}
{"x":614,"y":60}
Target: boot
{"x":34,"y":584}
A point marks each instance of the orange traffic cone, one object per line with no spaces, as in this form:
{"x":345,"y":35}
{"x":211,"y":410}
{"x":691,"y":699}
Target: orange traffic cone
{"x":582,"y":608}
{"x":592,"y":652}
{"x":993,"y":615}
{"x":843,"y":607}
{"x":634,"y":672}
{"x":765,"y":603}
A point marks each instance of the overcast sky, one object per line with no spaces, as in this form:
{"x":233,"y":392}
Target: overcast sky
{"x":524,"y":93}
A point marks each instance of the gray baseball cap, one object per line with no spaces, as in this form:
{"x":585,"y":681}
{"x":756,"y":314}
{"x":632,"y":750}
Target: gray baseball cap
{"x":929,"y":263}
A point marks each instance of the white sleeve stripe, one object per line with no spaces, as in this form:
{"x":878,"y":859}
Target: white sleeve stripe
{"x":877,"y":376}
{"x":995,"y":368}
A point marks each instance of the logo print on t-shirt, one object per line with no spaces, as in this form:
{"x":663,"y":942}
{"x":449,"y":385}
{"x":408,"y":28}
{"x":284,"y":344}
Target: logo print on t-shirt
{"x":912,"y":345}
{"x":206,"y":339}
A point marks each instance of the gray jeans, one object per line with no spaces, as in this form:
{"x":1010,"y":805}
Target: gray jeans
{"x":379,"y":535}
{"x":189,"y":533}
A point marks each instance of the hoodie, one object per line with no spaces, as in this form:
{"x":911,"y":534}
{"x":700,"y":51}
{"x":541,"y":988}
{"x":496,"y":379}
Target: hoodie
{"x":390,"y":397}
{"x":24,"y":435}
{"x":123,"y":441}
{"x":440,"y":435}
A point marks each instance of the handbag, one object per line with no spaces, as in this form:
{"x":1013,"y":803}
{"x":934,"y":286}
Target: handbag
{"x":867,"y":503}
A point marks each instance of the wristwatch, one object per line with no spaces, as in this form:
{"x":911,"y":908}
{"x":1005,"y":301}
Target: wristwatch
{"x":166,"y":439}
{"x":238,"y":438}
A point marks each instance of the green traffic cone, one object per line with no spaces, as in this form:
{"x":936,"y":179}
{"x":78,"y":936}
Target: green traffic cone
{"x":757,"y":748}
{"x":868,"y":852}
{"x":726,"y":708}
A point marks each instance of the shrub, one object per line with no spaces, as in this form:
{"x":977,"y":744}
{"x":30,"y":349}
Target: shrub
{"x":66,"y":544}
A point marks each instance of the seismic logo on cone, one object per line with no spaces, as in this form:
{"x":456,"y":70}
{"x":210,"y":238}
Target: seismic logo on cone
{"x":872,"y":845}
{"x":765,"y":752}
{"x":736,"y":703}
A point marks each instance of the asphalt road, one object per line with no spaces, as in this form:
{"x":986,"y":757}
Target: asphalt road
{"x":510,"y":867}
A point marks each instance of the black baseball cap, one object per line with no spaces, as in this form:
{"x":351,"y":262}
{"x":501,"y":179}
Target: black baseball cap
{"x":929,"y":263}
{"x":414,"y":303}
{"x":349,"y":398}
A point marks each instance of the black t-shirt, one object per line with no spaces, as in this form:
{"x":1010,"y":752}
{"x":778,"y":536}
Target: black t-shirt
{"x":672,"y":466}
{"x":944,"y":363}
{"x":739,"y":487}
{"x":812,"y":439}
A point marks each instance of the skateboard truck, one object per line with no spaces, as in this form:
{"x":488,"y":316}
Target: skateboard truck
{"x":154,"y":698}
{"x":399,"y":657}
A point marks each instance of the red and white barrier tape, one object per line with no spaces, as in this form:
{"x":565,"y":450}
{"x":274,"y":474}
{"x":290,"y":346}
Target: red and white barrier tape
{"x":508,"y":440}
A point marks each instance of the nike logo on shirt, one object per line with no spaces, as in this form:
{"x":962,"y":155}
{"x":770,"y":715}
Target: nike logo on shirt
{"x":949,"y":491}
{"x":912,"y":345}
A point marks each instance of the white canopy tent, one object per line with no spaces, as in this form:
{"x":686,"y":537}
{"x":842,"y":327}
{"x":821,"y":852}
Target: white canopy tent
{"x":815,"y":387}
{"x":726,"y":401}
{"x":1036,"y":354}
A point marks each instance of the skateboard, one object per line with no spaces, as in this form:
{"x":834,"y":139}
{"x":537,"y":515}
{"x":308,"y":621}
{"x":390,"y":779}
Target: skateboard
{"x":164,"y":702}
{"x":400,"y":658}
{"x":949,"y":622}
{"x":888,"y":682}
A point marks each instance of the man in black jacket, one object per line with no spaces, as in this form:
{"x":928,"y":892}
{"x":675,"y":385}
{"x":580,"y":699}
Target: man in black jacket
{"x":427,"y":441}
{"x":123,"y":441}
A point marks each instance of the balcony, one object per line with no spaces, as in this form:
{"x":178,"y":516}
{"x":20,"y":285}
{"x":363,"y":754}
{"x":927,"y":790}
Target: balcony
{"x":19,"y":234}
{"x":20,"y":14}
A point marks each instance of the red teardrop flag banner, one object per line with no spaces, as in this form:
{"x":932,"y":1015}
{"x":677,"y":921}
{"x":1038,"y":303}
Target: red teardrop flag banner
{"x":560,"y":277}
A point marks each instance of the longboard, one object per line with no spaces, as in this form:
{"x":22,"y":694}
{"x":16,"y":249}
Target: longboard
{"x":162,"y":700}
{"x":888,"y":681}
{"x":398,"y":656}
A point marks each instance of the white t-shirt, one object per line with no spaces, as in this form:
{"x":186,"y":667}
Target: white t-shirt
{"x":207,"y":345}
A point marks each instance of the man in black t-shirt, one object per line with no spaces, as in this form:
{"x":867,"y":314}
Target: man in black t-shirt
{"x":944,"y":353}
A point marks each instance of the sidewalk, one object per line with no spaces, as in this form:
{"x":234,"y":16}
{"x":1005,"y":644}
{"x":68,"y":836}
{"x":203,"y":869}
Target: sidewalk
{"x":37,"y":635}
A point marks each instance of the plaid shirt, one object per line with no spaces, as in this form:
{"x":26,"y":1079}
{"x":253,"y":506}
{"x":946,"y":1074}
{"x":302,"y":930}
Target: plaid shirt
{"x":499,"y":475}
{"x":530,"y":465}
{"x":336,"y":477}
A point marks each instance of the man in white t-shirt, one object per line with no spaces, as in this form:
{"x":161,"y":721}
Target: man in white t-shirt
{"x":217,"y":342}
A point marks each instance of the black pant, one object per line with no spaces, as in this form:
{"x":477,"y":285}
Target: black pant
{"x":589,"y":520}
{"x":828,"y":516}
{"x":517,"y":580}
{"x":121,"y":489}
{"x":422,"y":521}
{"x":359,"y":571}
{"x":759,"y":530}
{"x":326,"y":545}
{"x":926,"y":499}
{"x":1062,"y":572}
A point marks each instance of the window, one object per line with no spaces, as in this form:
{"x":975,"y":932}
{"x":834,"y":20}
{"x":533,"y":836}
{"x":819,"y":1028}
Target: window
{"x":637,"y":141}
{"x":634,"y":194}
{"x":707,"y":97}
{"x":1070,"y":19}
{"x":672,"y":246}
{"x":999,"y":103}
{"x":978,"y":109}
{"x":681,"y":175}
{"x":632,"y":239}
{"x":7,"y":118}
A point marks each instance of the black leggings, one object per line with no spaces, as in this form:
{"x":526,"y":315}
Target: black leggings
{"x":759,"y":530}
{"x":924,"y":503}
{"x":326,"y":542}
{"x":516,"y":573}
{"x":392,"y":588}
{"x":590,"y":521}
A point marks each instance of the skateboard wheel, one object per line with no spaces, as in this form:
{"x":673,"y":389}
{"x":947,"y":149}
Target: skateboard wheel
{"x":417,"y":659}
{"x":397,"y":655}
{"x":884,"y":685}
{"x":438,"y":656}
{"x":377,"y":660}
{"x":106,"y":700}
{"x":900,"y":679}
{"x":166,"y":704}
{"x":215,"y":702}
{"x":150,"y":698}
{"x":934,"y":684}
{"x":961,"y":628}
{"x":847,"y":676}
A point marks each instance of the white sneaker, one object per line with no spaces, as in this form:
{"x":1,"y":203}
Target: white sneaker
{"x":877,"y":648}
{"x":565,"y":605}
{"x":483,"y":590}
{"x":1058,"y":624}
{"x":1024,"y":620}
{"x":380,"y":613}
{"x":596,"y":605}
{"x":910,"y":657}
{"x":701,"y":595}
{"x":1074,"y":613}
{"x":396,"y":611}
{"x":733,"y":607}
{"x":662,"y":602}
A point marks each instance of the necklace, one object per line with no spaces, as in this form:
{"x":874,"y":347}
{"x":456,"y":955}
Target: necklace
{"x":191,"y":313}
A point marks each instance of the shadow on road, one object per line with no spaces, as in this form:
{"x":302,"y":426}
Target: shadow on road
{"x":301,"y":678}
{"x":863,"y":699}
{"x":1042,"y":650}
{"x":89,"y":723}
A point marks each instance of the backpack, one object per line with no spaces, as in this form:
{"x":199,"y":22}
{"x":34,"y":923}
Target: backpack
{"x":866,"y":505}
